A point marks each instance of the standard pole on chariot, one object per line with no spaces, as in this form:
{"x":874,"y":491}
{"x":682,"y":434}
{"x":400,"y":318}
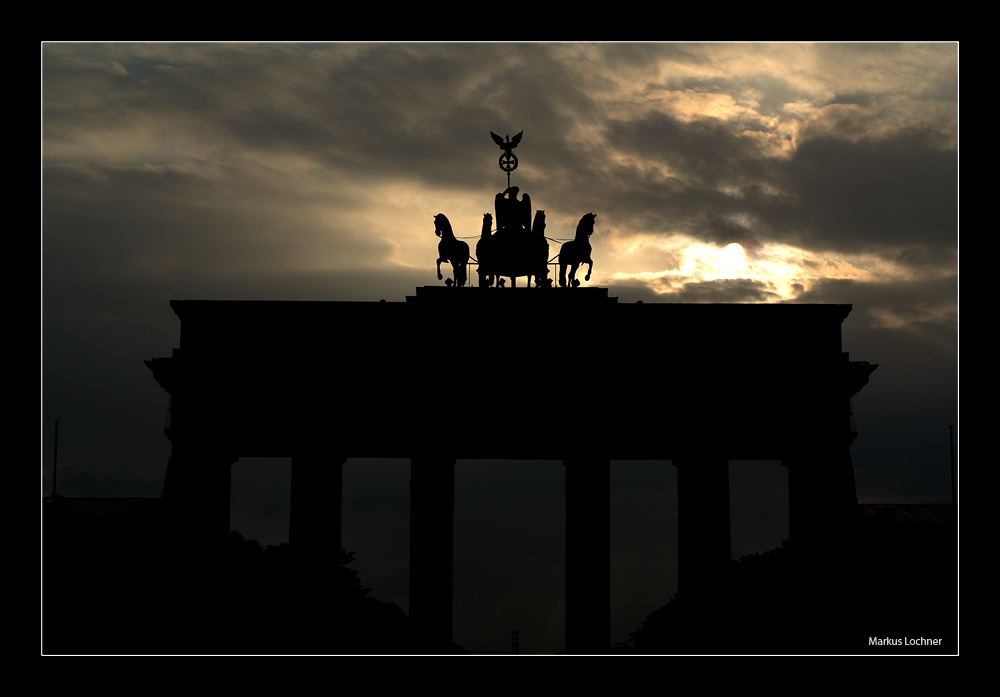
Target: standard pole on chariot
{"x":508,"y":161}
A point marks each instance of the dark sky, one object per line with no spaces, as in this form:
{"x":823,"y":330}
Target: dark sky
{"x":313,"y":172}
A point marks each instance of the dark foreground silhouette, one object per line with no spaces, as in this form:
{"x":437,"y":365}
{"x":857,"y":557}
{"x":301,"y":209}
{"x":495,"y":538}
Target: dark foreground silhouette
{"x":891,"y":590}
{"x":106,"y":598}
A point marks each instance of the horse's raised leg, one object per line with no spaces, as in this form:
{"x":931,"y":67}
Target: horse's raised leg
{"x":590,"y":267}
{"x":439,"y":268}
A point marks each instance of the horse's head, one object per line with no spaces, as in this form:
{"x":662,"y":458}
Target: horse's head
{"x":441,"y":225}
{"x":586,"y":226}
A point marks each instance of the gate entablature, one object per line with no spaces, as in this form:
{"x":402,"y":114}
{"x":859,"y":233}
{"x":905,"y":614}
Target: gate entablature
{"x":752,"y":380}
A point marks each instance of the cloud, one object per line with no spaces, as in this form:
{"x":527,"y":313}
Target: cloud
{"x":928,"y":305}
{"x":734,"y":290}
{"x":239,"y":161}
{"x":861,"y":196}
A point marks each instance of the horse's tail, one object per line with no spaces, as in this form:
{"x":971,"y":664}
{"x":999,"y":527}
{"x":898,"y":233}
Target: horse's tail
{"x":461,"y":274}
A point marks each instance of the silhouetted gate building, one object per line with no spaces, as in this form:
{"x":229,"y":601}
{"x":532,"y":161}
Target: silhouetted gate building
{"x":695,"y":384}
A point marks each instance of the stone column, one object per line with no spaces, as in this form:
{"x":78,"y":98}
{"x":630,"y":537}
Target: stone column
{"x":432,"y":521}
{"x":196,"y":492}
{"x":821,"y":501}
{"x":821,"y":498}
{"x":703,"y":529}
{"x":588,"y":555}
{"x":315,"y":515}
{"x":196,"y":498}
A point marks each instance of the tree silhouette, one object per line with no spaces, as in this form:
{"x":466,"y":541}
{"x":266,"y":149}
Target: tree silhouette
{"x":137,"y":594}
{"x":778,"y":602}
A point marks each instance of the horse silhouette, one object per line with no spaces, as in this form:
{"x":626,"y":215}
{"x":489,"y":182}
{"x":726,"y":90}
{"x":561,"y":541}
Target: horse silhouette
{"x":487,"y":277}
{"x":451,"y":249}
{"x":538,"y":245}
{"x":577,"y":251}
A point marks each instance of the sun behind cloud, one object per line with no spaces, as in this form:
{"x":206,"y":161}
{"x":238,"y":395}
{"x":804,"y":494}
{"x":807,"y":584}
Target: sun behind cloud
{"x":784,"y":271}
{"x":734,"y":251}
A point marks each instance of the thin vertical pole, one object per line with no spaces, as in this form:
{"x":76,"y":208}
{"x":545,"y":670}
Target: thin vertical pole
{"x":55,"y":461}
{"x":951,"y":447}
